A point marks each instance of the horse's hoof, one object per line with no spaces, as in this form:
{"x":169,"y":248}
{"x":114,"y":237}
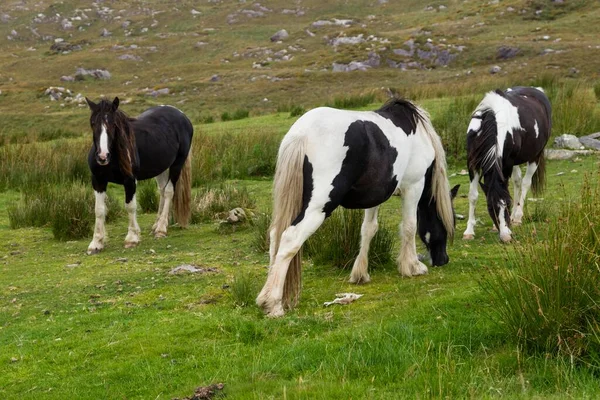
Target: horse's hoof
{"x":160,"y":235}
{"x":505,"y":238}
{"x":129,"y":245}
{"x":516,"y":223}
{"x":359,"y":280}
{"x":468,"y":236}
{"x":91,"y":252}
{"x":276,"y":313}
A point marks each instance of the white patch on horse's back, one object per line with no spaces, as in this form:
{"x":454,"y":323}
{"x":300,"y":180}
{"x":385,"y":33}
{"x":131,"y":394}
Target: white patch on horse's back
{"x":103,"y":141}
{"x":509,"y":90}
{"x":507,"y":117}
{"x":536,"y":128}
{"x":474,"y":125}
{"x":427,"y":237}
{"x":168,"y":105}
{"x":541,"y":89}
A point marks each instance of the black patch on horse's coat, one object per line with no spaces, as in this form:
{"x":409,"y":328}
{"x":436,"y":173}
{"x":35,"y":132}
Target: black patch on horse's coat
{"x":366,"y":178}
{"x":404,"y":114}
{"x":307,"y":188}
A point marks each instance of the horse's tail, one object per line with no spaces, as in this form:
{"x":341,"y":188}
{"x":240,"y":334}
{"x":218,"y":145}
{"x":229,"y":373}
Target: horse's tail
{"x":440,"y":188}
{"x":538,"y":181}
{"x":182,"y":199}
{"x":287,"y":204}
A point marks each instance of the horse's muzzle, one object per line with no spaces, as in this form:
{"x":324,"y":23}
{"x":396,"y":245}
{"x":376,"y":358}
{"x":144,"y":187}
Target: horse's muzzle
{"x":103,"y":160}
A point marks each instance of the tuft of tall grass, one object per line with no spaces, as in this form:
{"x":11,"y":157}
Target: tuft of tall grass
{"x":233,"y":156}
{"x":240,"y":113}
{"x":147,"y":196}
{"x":211,"y":202}
{"x":296,"y":111}
{"x":260,"y":240}
{"x":597,"y":90}
{"x":67,"y":209}
{"x":353,"y":101}
{"x":243,"y":289}
{"x":451,"y":124}
{"x":337,"y":241}
{"x":549,"y":297}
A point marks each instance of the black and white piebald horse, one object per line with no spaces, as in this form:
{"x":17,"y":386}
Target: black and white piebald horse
{"x":356,"y":160}
{"x":156,"y":144}
{"x":507,"y":129}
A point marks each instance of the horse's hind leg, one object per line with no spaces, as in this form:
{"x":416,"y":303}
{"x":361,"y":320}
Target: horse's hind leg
{"x":517,"y":181}
{"x":469,"y":233}
{"x":161,"y":182}
{"x":133,"y":233}
{"x":163,"y":218}
{"x":408,"y":262}
{"x":525,"y":185}
{"x":360,"y":271}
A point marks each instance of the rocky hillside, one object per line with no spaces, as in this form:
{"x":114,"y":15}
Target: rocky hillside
{"x":214,"y":55}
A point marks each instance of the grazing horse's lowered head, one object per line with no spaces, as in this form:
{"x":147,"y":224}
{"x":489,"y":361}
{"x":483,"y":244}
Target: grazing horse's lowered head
{"x":111,"y":127}
{"x":430,"y":225}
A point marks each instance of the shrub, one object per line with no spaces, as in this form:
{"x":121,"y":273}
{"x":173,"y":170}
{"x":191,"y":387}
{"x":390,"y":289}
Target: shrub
{"x":212,"y":202}
{"x":597,"y":90}
{"x":237,"y":114}
{"x":337,"y":241}
{"x":549,"y":297}
{"x":147,"y":196}
{"x":296,"y":111}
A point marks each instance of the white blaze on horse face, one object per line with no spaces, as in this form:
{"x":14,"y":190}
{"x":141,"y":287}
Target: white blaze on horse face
{"x":103,"y":142}
{"x":507,"y":117}
{"x":505,"y":233}
{"x":537,"y":129}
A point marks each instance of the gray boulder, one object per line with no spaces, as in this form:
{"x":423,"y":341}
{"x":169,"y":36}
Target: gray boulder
{"x":567,"y":141}
{"x":280,"y":35}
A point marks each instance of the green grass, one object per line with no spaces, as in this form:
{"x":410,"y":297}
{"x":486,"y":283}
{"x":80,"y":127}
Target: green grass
{"x":118,"y":324}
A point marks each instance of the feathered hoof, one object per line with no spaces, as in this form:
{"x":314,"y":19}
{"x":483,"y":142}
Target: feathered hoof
{"x":92,"y":251}
{"x":160,"y":235}
{"x":505,"y":238}
{"x":468,"y":236}
{"x":130,"y":245}
{"x":359,"y":280}
{"x":514,"y":222}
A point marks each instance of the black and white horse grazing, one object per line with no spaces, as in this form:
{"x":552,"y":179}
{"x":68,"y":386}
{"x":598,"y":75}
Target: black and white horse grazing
{"x":357,"y":160}
{"x":508,"y":128}
{"x":154,"y":145}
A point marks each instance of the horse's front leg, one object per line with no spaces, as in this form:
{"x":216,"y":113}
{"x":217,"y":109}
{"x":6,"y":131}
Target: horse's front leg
{"x":408,"y":262}
{"x":97,"y":243}
{"x":133,"y":233}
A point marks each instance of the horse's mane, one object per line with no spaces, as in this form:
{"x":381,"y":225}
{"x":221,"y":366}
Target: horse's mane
{"x":124,"y":137}
{"x":406,"y":110}
{"x":482,"y":147}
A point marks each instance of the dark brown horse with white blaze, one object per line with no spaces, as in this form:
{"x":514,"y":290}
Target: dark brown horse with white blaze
{"x":508,"y":128}
{"x":156,"y":144}
{"x":356,"y":160}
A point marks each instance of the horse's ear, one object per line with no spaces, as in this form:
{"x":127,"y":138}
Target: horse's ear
{"x":115,"y":104}
{"x":454,"y":191}
{"x":93,"y":106}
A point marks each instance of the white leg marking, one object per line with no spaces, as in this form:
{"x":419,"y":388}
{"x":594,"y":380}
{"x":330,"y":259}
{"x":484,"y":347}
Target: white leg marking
{"x":408,"y":262}
{"x":163,"y":219}
{"x":97,"y":243}
{"x":537,"y":129}
{"x":360,"y":269}
{"x":133,"y":234}
{"x":473,"y":195}
{"x":271,"y":295}
{"x":505,"y":233}
{"x":516,"y":178}
{"x":525,"y":185}
{"x":161,"y":182}
{"x":272,"y":239}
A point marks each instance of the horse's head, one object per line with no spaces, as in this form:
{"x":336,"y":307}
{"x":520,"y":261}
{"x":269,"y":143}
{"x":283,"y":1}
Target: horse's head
{"x":102,"y":122}
{"x":499,"y":204}
{"x":432,"y":230}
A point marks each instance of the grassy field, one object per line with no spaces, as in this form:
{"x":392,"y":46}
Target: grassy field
{"x":119,"y":325}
